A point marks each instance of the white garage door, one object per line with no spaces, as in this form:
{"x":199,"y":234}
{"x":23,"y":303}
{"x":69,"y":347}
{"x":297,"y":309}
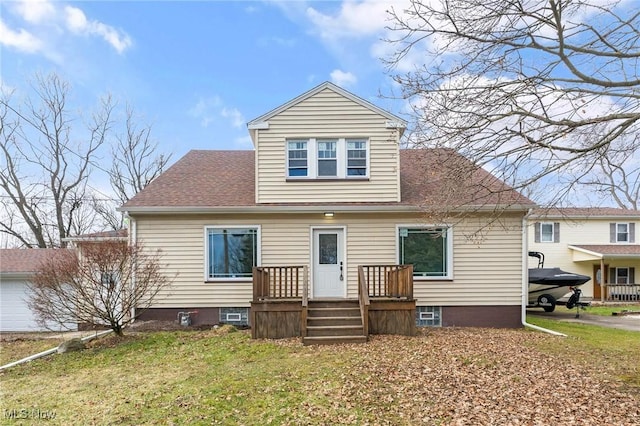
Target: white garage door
{"x":15,"y":314}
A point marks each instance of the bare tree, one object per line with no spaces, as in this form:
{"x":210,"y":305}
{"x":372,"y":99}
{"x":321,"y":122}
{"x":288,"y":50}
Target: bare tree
{"x":135,"y":159}
{"x":48,"y":161}
{"x":43,"y":170}
{"x":530,"y":90}
{"x":105,"y":284}
{"x":617,"y":179}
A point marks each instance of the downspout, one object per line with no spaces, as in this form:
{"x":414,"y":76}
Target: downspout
{"x":51,"y":351}
{"x":133,"y":240}
{"x":525,"y":280}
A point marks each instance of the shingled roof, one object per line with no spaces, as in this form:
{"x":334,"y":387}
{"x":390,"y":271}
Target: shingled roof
{"x":225,"y":179}
{"x":585,"y":212}
{"x":26,"y":261}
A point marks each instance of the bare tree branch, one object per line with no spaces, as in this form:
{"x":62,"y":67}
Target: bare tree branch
{"x":48,"y":158}
{"x":103,"y":285}
{"x":44,"y":173}
{"x":529,"y":90}
{"x":135,"y":161}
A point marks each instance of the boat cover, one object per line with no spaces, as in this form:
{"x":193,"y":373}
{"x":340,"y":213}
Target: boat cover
{"x":556,"y":276}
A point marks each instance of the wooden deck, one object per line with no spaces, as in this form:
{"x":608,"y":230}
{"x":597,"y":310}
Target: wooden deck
{"x":281,"y":307}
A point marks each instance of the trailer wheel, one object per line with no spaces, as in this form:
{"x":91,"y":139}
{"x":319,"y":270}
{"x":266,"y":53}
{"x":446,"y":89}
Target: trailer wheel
{"x":547,"y":302}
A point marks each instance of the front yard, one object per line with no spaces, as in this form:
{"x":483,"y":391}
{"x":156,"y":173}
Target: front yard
{"x":444,"y":376}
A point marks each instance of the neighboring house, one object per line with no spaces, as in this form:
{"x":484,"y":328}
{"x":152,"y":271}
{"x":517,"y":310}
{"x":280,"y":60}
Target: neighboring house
{"x":17,"y":267}
{"x":588,"y":241}
{"x":327,"y":190}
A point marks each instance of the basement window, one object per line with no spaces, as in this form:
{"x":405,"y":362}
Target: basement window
{"x":234,"y":316}
{"x":428,"y":316}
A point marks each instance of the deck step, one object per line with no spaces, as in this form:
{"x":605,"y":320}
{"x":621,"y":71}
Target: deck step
{"x":333,"y":312}
{"x":332,"y":340}
{"x":342,"y":320}
{"x":335,"y":330}
{"x":333,"y":321}
{"x":334,"y":304}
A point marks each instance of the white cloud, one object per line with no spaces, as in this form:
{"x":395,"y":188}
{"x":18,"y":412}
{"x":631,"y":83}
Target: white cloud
{"x":204,"y":110}
{"x":77,"y":22}
{"x":208,"y":110}
{"x":35,"y":11}
{"x":234,"y":116}
{"x":354,"y":19}
{"x":22,"y":39}
{"x":342,"y":78}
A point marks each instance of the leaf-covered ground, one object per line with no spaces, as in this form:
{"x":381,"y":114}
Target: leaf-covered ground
{"x":445,"y":376}
{"x":487,"y":377}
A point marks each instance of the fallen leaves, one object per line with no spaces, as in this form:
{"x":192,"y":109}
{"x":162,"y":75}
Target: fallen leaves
{"x":481,"y":377}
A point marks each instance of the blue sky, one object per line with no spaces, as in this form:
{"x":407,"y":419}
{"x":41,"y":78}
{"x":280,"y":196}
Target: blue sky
{"x":197,"y":71}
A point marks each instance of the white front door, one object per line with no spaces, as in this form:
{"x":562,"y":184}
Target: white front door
{"x":328,"y":263}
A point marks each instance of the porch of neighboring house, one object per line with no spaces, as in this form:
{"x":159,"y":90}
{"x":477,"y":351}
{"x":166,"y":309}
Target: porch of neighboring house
{"x":281,"y":306}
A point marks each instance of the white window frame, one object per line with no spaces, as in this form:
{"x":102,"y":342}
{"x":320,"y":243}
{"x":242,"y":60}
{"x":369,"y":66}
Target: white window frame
{"x":618,"y":240}
{"x":543,"y":224}
{"x":258,"y":229}
{"x":306,"y":142}
{"x":336,"y":159}
{"x":450,"y":253}
{"x":366,"y":157}
{"x":341,"y":158}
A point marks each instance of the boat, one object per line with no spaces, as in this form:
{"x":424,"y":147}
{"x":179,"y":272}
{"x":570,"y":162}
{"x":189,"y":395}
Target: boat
{"x":547,"y":285}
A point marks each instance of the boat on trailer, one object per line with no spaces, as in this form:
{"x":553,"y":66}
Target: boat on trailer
{"x":547,"y":285}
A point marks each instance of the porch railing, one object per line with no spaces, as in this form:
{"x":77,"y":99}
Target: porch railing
{"x":622,"y":292}
{"x":279,"y":282}
{"x":387,"y":280}
{"x":363,"y":298}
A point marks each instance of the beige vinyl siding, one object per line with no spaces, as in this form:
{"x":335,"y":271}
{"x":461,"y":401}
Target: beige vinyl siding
{"x":486,"y":272}
{"x":327,"y":115}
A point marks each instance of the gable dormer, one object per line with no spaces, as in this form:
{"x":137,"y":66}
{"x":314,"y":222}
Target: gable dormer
{"x":327,"y":146}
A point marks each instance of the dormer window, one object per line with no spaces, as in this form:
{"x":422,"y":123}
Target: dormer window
{"x":327,"y":158}
{"x":297,"y":158}
{"x":356,"y":158}
{"x":337,"y":158}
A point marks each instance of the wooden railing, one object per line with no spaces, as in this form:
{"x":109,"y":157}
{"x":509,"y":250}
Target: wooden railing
{"x":279,"y":282}
{"x":305,"y":304}
{"x":387,"y":280}
{"x":622,"y":292}
{"x":363,"y":298}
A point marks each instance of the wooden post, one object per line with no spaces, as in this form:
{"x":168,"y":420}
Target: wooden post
{"x":603,"y":280}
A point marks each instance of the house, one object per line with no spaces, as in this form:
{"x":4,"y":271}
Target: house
{"x":17,"y":267}
{"x":327,"y":208}
{"x":589,"y":241}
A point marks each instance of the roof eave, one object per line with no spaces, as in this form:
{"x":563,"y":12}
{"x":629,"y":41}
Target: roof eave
{"x":263,"y":119}
{"x":293,"y":209}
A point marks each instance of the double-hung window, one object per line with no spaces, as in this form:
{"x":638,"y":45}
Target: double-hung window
{"x":428,"y":249}
{"x":297,"y":158}
{"x":622,"y":232}
{"x":335,"y":158}
{"x":231,"y":252}
{"x":622,"y":276}
{"x":327,"y":158}
{"x":546,"y":232}
{"x":356,"y":158}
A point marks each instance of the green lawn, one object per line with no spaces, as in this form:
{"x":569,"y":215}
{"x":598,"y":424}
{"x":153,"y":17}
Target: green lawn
{"x":442,"y":376}
{"x":607,"y":310}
